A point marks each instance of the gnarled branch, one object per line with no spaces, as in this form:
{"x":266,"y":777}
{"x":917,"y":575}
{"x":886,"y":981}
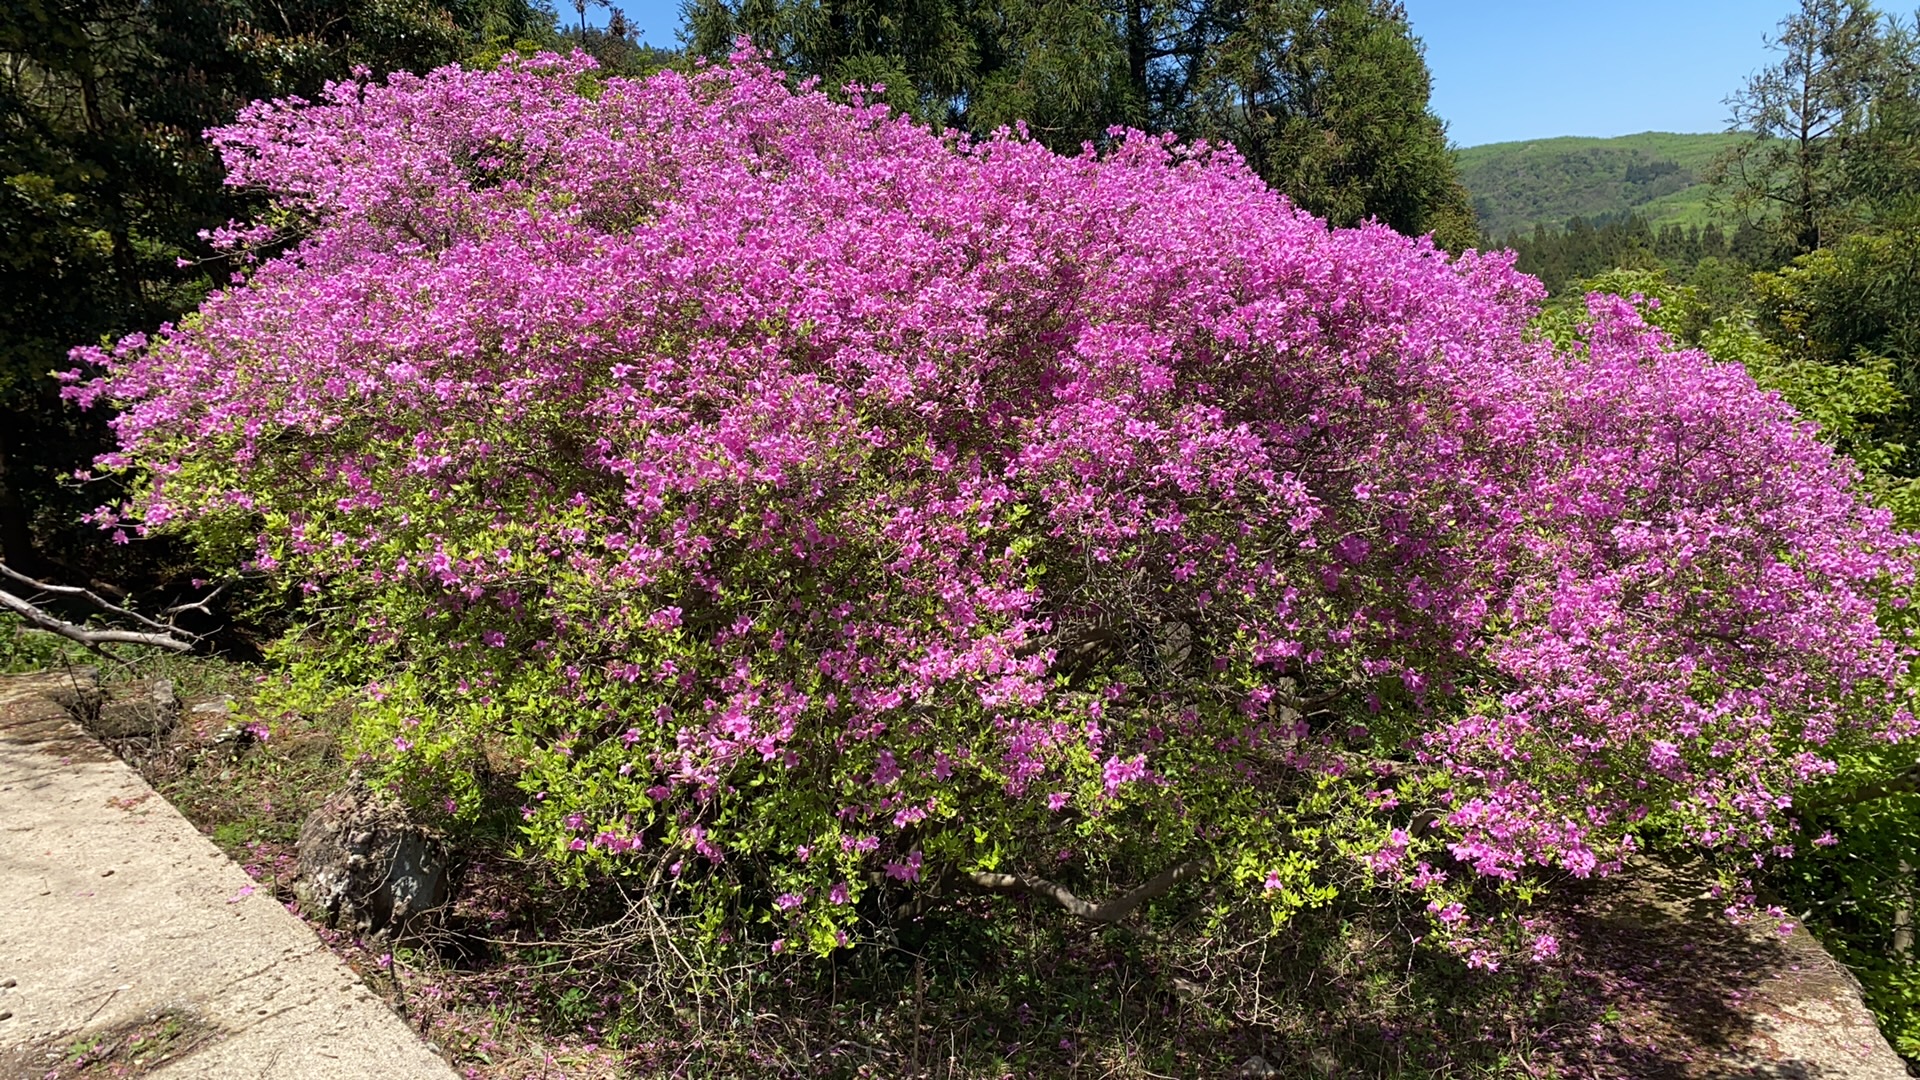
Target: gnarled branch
{"x":1112,"y":910}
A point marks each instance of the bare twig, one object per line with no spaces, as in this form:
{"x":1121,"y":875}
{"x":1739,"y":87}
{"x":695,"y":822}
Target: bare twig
{"x":89,"y":595}
{"x":200,"y":605}
{"x":92,"y":639}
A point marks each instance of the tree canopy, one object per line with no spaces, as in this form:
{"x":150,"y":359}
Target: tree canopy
{"x":1843,"y":68}
{"x":107,"y":183}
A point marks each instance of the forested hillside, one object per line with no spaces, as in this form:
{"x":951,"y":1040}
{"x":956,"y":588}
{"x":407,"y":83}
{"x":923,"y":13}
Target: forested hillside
{"x":1659,"y":175}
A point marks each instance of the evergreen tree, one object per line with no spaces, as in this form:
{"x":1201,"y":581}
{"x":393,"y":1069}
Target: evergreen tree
{"x":1071,"y":69}
{"x":1561,"y":258}
{"x":1807,"y":114}
{"x":924,"y":52}
{"x":1881,"y":177}
{"x":1713,"y":242}
{"x":617,"y":48}
{"x":1328,"y":101}
{"x":106,"y":183}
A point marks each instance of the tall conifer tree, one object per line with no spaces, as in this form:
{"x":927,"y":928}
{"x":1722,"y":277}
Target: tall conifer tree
{"x":1328,"y":101}
{"x":1807,"y":115}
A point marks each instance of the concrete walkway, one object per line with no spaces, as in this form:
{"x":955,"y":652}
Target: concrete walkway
{"x":121,"y":924}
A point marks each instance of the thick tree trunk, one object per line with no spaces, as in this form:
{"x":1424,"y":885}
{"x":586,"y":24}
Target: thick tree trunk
{"x":1137,"y":46}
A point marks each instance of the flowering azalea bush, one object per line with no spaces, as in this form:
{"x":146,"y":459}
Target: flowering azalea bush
{"x":805,"y":509}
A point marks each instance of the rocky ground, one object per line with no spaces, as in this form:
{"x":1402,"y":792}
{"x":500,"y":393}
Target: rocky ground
{"x":1694,"y":996}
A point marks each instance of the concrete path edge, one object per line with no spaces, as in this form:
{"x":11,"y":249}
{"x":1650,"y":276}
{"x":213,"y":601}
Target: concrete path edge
{"x":114,"y":909}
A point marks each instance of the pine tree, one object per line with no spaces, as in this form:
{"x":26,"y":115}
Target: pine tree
{"x":1882,"y":173}
{"x":1062,"y":67}
{"x":1329,"y":103}
{"x":1807,"y":114}
{"x":923,"y":52}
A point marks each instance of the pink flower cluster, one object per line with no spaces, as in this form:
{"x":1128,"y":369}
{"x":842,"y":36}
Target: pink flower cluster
{"x":772,"y":438}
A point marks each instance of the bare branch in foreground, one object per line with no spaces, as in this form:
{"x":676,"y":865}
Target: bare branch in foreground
{"x":87,"y":594}
{"x":91,"y":638}
{"x":1113,"y":910}
{"x":157,"y":634}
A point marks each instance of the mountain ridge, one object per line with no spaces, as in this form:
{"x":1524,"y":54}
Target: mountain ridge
{"x":1660,"y":175}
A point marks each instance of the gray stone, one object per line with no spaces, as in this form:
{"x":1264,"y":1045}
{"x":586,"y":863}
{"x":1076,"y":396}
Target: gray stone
{"x":146,"y":712}
{"x":220,"y":706}
{"x":1716,"y":1000}
{"x":366,"y":867}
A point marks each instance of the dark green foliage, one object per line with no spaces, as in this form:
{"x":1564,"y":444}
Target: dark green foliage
{"x":1687,"y":245}
{"x":1328,"y":101}
{"x":106,"y":184}
{"x":1052,"y":65}
{"x":1582,"y":250}
{"x":1859,"y":894}
{"x":1859,"y":297}
{"x":1881,"y":176}
{"x":1853,"y":307}
{"x":1566,"y":257}
{"x":924,"y":52}
{"x":1651,"y":173}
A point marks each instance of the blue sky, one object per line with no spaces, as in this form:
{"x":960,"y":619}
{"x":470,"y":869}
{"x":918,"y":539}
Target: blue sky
{"x":1506,"y":70}
{"x":1509,"y":69}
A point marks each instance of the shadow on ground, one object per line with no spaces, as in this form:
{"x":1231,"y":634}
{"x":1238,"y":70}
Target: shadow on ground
{"x":1662,"y":984}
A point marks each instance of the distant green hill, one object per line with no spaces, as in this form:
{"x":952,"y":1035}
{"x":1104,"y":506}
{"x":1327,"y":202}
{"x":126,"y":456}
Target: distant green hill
{"x":1656,"y":174}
